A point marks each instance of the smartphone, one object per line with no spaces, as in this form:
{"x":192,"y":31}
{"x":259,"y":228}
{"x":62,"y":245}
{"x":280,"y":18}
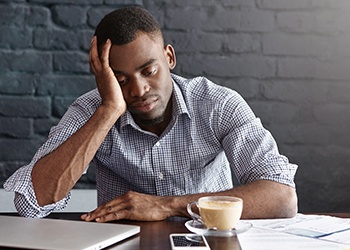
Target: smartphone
{"x":188,"y":242}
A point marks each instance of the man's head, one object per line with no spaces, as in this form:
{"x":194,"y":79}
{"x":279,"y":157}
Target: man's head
{"x":141,"y":64}
{"x":122,"y":26}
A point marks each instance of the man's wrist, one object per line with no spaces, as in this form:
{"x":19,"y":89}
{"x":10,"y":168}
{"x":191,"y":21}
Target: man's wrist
{"x":177,"y":206}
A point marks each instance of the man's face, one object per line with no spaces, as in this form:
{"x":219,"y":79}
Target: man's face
{"x":142,"y":69}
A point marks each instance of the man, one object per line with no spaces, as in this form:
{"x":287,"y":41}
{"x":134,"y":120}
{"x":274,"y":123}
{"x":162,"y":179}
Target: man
{"x":158,"y":140}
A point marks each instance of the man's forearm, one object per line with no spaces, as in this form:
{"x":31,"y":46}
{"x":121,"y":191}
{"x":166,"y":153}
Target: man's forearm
{"x":261,"y":199}
{"x":267,"y":199}
{"x":56,"y":173}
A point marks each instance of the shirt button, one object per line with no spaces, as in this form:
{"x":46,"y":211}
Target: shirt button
{"x":161,"y":176}
{"x":157,"y":144}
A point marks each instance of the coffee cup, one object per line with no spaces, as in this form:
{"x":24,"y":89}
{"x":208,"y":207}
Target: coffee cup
{"x":217,"y":212}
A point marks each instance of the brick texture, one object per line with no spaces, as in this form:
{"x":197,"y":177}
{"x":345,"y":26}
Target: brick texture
{"x":289,"y":59}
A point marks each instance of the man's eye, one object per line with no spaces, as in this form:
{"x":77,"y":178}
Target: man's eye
{"x":150,"y":72}
{"x":122,"y":81}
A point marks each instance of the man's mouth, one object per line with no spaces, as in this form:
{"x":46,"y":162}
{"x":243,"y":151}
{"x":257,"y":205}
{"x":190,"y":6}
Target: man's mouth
{"x":144,"y":106}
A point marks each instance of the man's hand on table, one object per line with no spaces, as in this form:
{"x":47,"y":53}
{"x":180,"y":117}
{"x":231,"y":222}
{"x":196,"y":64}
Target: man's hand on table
{"x":131,"y":206}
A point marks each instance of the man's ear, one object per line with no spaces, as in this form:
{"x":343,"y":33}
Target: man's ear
{"x":169,"y":53}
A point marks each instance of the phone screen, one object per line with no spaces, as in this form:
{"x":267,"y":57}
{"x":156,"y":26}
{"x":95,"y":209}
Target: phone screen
{"x":188,"y":241}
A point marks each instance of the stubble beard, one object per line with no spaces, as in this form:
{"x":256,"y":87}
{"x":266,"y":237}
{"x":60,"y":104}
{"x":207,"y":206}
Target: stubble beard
{"x":152,"y":122}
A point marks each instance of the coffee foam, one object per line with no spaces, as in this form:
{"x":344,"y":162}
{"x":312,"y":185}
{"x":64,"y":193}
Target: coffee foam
{"x":219,"y":204}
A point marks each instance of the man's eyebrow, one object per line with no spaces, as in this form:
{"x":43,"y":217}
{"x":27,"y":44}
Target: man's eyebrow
{"x":150,"y":61}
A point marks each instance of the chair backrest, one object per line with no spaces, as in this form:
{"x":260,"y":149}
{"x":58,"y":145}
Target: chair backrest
{"x":82,"y":200}
{"x":6,"y":201}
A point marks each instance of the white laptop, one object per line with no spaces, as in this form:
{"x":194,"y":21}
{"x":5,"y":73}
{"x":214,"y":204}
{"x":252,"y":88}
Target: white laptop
{"x":28,"y":233}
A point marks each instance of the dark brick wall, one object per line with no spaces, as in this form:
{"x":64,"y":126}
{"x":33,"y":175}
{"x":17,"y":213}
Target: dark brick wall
{"x":289,"y":59}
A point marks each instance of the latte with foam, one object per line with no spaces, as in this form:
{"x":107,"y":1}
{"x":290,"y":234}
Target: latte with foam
{"x":220,"y":212}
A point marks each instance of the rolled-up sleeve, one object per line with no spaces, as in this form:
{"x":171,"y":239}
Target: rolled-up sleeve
{"x":250,"y":148}
{"x":25,"y":200}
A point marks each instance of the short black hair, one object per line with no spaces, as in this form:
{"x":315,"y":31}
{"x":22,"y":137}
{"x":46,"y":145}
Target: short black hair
{"x":121,"y":25}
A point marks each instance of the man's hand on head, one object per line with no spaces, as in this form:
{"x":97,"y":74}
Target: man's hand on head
{"x":106,"y":81}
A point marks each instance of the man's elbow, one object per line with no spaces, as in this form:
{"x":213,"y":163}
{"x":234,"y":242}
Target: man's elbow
{"x":289,"y":204}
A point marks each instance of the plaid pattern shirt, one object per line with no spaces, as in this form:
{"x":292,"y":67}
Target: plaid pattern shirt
{"x":212,"y":134}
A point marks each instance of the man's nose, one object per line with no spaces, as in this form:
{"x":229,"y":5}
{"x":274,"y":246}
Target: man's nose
{"x":139,"y":87}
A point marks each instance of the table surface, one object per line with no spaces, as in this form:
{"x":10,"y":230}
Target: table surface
{"x":155,"y":235}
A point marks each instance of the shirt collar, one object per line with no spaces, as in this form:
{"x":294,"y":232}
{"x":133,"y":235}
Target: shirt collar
{"x":179,"y":108}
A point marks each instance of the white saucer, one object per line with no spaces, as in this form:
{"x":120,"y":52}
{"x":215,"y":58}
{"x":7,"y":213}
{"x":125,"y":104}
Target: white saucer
{"x":198,"y":228}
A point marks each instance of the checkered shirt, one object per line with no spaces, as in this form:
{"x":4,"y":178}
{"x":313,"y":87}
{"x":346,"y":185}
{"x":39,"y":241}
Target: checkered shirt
{"x":213,"y":134}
